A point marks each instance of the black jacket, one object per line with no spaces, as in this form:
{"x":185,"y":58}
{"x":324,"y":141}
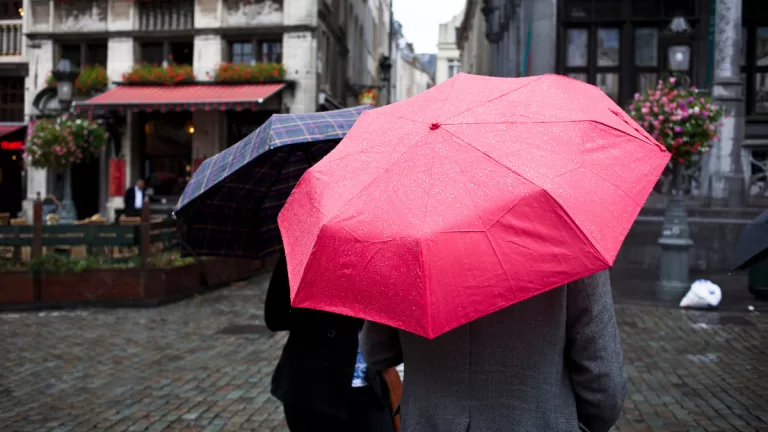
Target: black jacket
{"x":318,"y":361}
{"x":130,"y":198}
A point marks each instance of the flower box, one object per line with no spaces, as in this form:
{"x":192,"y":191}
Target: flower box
{"x":92,"y":79}
{"x":171,"y":74}
{"x":250,"y":73}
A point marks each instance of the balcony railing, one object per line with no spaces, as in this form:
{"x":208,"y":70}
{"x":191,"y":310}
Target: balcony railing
{"x":167,"y":15}
{"x":11,"y":37}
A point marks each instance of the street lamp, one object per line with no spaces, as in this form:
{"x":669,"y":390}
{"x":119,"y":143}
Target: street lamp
{"x":65,"y":75}
{"x":675,"y":240}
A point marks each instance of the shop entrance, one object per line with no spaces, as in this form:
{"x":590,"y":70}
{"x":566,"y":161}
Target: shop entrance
{"x":166,"y":152}
{"x":12,"y":172}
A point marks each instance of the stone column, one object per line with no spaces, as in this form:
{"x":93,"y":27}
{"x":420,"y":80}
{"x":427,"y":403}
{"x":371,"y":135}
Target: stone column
{"x":724,"y":166}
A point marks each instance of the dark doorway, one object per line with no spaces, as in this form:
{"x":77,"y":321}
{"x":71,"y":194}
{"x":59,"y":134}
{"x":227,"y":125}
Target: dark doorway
{"x":12,"y":172}
{"x":11,"y":168}
{"x":85,"y":188}
{"x":166,"y":152}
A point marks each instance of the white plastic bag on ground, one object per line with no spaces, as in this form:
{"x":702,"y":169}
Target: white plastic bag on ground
{"x":702,"y":295}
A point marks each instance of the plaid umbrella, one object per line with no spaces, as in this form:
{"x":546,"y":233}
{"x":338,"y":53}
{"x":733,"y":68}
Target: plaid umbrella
{"x":230,"y":206}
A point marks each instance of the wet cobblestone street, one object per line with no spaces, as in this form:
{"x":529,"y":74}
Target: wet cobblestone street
{"x":204,"y":364}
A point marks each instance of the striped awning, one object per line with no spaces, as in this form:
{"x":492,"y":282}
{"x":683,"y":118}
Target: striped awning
{"x":193,"y":97}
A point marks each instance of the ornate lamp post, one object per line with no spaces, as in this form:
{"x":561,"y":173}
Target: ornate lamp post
{"x":66,"y":74}
{"x":675,"y":240}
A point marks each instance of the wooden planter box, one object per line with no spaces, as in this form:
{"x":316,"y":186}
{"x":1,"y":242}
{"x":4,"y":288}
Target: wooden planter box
{"x":126,"y":285}
{"x":94,"y":285}
{"x":16,"y":287}
{"x":175,"y":282}
{"x":223,"y":271}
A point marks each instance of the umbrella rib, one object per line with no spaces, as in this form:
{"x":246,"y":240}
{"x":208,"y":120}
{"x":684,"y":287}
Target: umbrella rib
{"x":556,"y":121}
{"x":492,"y":158}
{"x":376,"y":177}
{"x":493,"y":99}
{"x":447,"y":94}
{"x":565,"y":211}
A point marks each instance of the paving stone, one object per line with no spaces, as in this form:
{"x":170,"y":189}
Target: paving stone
{"x":166,"y":369}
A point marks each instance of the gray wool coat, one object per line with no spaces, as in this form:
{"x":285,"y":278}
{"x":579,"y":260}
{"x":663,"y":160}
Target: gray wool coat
{"x":551,"y":363}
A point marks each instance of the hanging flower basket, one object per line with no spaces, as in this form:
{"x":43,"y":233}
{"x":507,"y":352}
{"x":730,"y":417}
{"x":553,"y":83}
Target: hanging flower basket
{"x":91,"y":79}
{"x":58,"y":143}
{"x":259,"y":72}
{"x":166,"y":75}
{"x":683,"y":120}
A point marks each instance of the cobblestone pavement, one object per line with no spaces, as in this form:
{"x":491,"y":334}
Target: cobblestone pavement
{"x":204,"y":365}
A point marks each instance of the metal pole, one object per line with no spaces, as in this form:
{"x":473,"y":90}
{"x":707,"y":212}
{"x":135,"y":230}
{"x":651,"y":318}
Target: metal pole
{"x":68,"y":214}
{"x":675,"y":243}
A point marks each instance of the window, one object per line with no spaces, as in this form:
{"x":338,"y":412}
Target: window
{"x":10,"y":9}
{"x":84,"y":54}
{"x":593,"y":55}
{"x":242,"y":52}
{"x":754,"y":58}
{"x":11,"y":99}
{"x":256,"y":50}
{"x":158,"y":53}
{"x":616,"y":44}
{"x":453,"y":67}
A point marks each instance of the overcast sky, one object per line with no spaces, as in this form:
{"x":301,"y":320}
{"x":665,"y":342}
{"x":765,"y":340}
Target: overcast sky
{"x":421,"y":20}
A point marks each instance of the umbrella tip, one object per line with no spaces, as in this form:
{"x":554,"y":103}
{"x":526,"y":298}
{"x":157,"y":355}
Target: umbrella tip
{"x":434,"y":126}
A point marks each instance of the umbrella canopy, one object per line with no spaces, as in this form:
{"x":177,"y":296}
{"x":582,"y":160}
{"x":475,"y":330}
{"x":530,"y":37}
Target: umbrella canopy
{"x":474,"y":195}
{"x":230,"y":206}
{"x":753,"y":243}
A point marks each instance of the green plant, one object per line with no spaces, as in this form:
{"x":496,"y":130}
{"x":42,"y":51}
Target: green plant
{"x":152,"y":74}
{"x":91,"y":78}
{"x":57,"y":143}
{"x":680,"y":118}
{"x":53,"y":263}
{"x":259,"y":72}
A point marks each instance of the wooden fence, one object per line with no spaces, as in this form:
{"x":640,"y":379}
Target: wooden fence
{"x":116,"y":242}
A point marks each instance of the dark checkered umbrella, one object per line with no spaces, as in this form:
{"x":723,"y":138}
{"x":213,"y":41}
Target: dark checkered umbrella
{"x":753,"y":244}
{"x":230,"y":206}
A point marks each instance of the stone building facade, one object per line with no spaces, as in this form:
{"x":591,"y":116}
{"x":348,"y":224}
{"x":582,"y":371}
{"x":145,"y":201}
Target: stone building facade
{"x":13,"y":69}
{"x":448,"y":54}
{"x":329,"y":49}
{"x":621,"y":46}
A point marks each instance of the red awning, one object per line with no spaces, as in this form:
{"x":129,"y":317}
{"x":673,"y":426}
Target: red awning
{"x":8,"y":129}
{"x":181,"y":97}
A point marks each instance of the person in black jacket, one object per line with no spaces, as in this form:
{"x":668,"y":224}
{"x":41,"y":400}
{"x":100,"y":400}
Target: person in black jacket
{"x":316,"y":372}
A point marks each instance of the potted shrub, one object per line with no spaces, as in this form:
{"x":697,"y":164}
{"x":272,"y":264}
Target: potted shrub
{"x":92,"y":79}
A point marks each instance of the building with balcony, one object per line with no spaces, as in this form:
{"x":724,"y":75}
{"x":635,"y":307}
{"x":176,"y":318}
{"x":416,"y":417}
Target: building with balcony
{"x":13,"y":70}
{"x":448,"y":54}
{"x":409,"y":73}
{"x":163,"y":132}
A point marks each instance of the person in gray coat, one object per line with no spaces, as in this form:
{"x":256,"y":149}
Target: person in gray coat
{"x":551,"y":363}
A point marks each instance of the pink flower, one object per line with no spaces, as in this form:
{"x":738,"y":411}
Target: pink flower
{"x":672,"y":80}
{"x":645,"y":110}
